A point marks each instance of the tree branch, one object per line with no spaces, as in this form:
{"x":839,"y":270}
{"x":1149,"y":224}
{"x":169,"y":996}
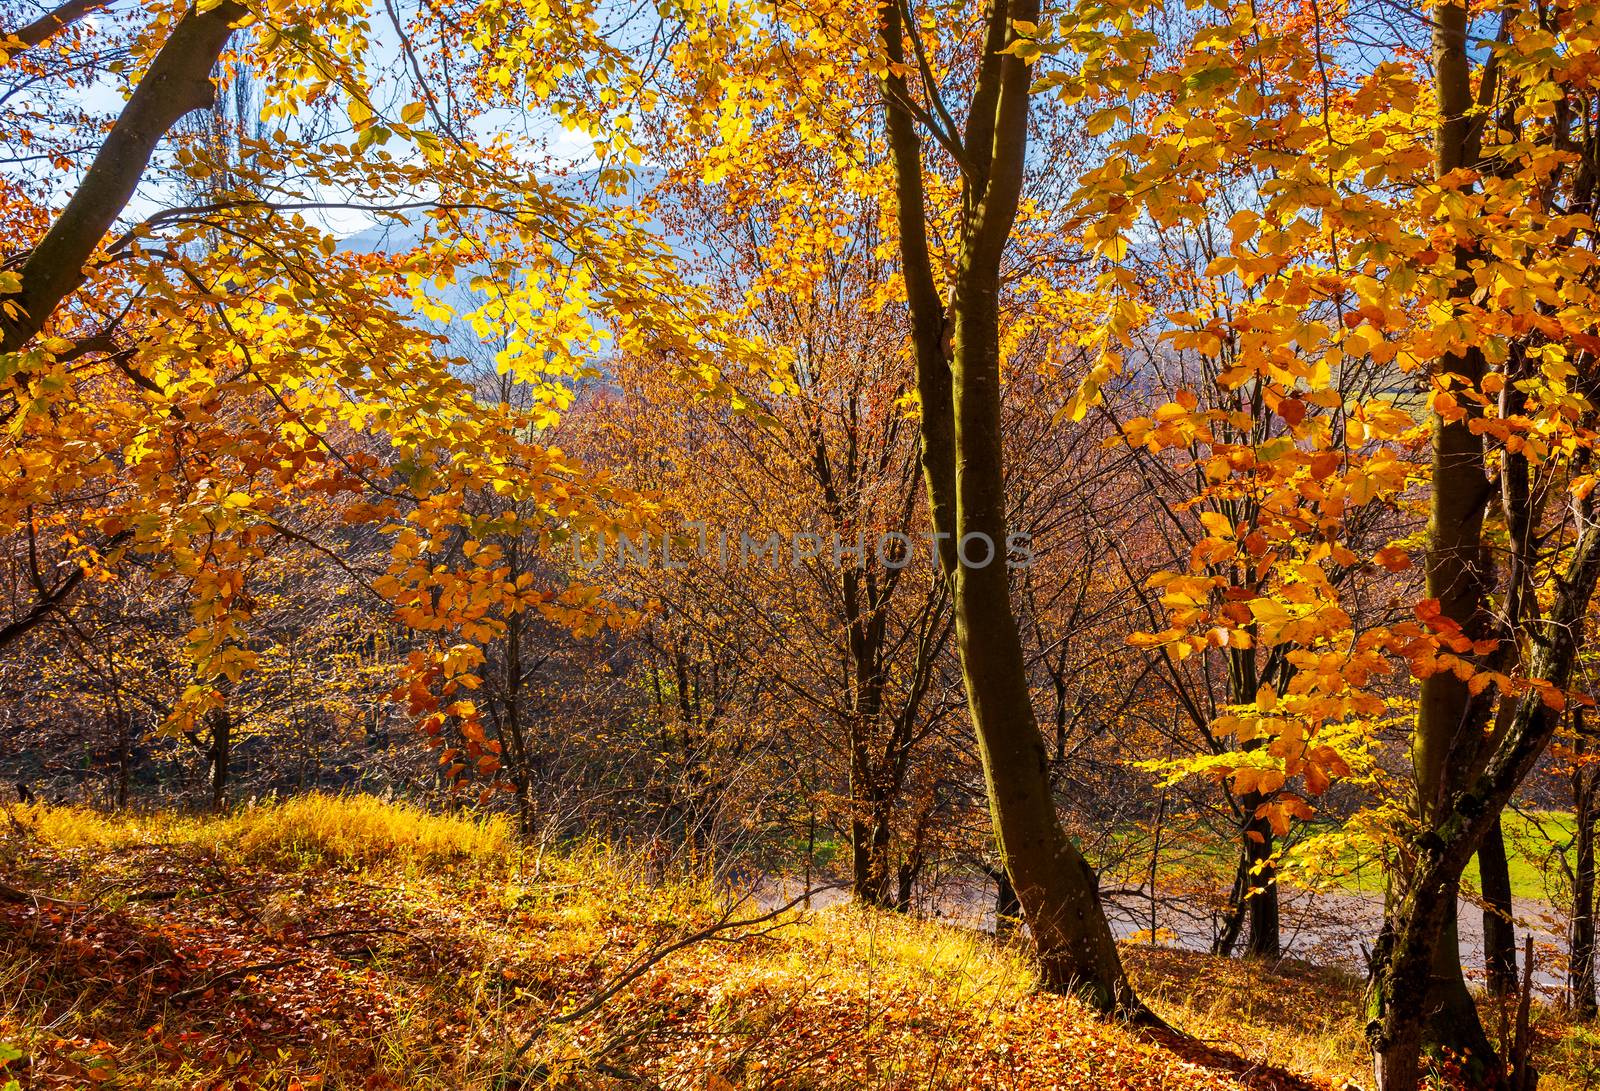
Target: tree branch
{"x":54,"y":597}
{"x":48,"y":25}
{"x":178,"y":81}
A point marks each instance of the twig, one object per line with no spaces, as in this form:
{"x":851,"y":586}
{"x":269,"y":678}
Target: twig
{"x":645,"y":962}
{"x":226,"y":975}
{"x":151,"y":896}
{"x":22,"y":897}
{"x":355,"y":932}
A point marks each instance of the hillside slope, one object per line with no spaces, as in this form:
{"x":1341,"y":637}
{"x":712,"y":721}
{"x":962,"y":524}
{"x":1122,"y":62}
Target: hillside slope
{"x":334,"y":943}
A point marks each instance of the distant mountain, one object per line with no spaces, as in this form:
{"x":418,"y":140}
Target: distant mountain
{"x":390,"y":237}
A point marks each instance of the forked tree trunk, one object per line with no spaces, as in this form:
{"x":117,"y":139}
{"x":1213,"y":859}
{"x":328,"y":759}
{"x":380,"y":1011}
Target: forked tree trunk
{"x":1400,"y":995}
{"x":962,"y":456}
{"x":1416,"y":967}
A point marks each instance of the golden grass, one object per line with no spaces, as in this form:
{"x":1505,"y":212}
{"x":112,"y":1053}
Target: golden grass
{"x":354,"y":829}
{"x":470,"y":948}
{"x":310,"y":829}
{"x":1296,"y":1016}
{"x":895,"y":953}
{"x":71,"y":827}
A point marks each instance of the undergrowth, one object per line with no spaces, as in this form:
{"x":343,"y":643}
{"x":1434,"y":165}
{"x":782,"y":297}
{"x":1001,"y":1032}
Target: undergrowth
{"x":346,"y":942}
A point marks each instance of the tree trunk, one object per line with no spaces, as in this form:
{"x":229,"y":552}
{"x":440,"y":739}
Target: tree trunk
{"x":1454,"y":1026}
{"x":906,"y":876}
{"x":1581,"y":1000}
{"x":121,"y":723}
{"x":869,"y":856}
{"x":1007,"y":911}
{"x":1058,"y":891}
{"x":811,"y":851}
{"x":1264,"y":936}
{"x":1419,"y":914}
{"x":869,"y":848}
{"x":1416,"y":966}
{"x":221,"y":742}
{"x":962,"y":455}
{"x":50,"y":24}
{"x":1418,"y":997}
{"x":1256,"y":885}
{"x":1499,"y":935}
{"x":1232,"y":922}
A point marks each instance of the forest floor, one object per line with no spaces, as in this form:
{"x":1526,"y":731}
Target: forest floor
{"x":349,"y":943}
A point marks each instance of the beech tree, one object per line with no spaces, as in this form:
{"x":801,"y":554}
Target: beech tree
{"x":235,"y":330}
{"x":1441,"y":284}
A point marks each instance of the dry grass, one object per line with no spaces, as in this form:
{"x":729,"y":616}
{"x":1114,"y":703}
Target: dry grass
{"x":378,"y":946}
{"x":316,"y":828}
{"x":349,"y":830}
{"x":1292,"y":1014}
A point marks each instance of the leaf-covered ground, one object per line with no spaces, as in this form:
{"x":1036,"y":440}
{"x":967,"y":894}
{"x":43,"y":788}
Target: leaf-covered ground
{"x":348,"y":943}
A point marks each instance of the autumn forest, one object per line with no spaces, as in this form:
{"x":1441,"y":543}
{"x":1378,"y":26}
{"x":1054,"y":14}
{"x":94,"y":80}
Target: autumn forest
{"x":737,"y":544}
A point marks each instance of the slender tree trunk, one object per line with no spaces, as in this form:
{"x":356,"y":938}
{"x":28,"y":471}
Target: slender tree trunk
{"x":1058,"y":890}
{"x":906,"y":876}
{"x":1499,"y":935}
{"x":221,"y":753}
{"x":515,"y":752}
{"x":1581,"y":999}
{"x":1260,"y":887}
{"x":121,"y":723}
{"x":811,"y":851}
{"x":1264,"y":936}
{"x":1232,"y":922}
{"x":124,"y":771}
{"x":962,"y":454}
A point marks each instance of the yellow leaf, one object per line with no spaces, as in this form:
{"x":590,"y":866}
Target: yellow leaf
{"x":1266,"y":699}
{"x":1243,"y":225}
